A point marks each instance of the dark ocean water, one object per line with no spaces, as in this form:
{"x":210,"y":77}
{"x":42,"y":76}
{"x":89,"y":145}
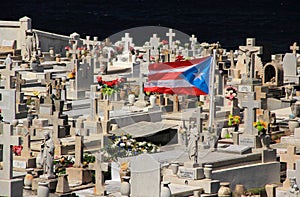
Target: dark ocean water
{"x":271,"y":22}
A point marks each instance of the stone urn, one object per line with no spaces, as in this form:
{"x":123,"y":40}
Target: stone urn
{"x":174,"y":167}
{"x":224,"y":190}
{"x":131,"y":99}
{"x":39,"y":161}
{"x":152,"y":100}
{"x":239,"y":190}
{"x":43,"y":189}
{"x":122,"y":94}
{"x":125,"y":186}
{"x":208,"y":171}
{"x":293,"y":123}
{"x":28,"y":179}
{"x":165,"y":190}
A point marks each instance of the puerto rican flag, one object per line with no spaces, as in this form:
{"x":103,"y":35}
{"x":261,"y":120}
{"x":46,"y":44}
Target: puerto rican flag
{"x":189,"y":77}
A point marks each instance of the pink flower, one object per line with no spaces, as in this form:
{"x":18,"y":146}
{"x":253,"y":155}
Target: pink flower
{"x":164,"y":42}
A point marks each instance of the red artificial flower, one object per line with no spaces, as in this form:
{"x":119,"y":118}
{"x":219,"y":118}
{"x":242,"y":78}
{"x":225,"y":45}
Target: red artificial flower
{"x":67,"y":48}
{"x":164,"y":42}
{"x":99,"y":79}
{"x":17,"y":150}
{"x":179,"y":58}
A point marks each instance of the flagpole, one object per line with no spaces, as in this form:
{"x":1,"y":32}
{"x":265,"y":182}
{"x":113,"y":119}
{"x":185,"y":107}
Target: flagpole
{"x":212,"y":104}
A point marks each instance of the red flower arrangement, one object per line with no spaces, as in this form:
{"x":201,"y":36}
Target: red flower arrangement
{"x":109,"y":87}
{"x":17,"y":150}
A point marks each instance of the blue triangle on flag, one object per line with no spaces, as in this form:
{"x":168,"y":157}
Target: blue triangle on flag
{"x":198,"y":75}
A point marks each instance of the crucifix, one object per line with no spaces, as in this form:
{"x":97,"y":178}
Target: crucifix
{"x":170,"y":34}
{"x":250,"y":51}
{"x":6,"y":142}
{"x":294,"y":48}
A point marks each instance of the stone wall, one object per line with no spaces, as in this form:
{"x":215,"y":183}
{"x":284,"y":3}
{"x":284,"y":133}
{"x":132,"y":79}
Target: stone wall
{"x":251,"y":176}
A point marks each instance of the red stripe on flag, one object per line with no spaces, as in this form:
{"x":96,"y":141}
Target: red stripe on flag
{"x":188,"y":91}
{"x":170,"y":65}
{"x":164,"y":76}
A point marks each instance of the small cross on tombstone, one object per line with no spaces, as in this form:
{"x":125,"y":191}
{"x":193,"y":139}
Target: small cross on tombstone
{"x":88,"y":42}
{"x":7,"y":141}
{"x":198,"y":117}
{"x":99,"y":177}
{"x":147,"y":47}
{"x":18,"y":82}
{"x":78,"y":151}
{"x":8,"y":73}
{"x":294,"y":48}
{"x":170,"y":34}
{"x":26,"y":151}
{"x":127,"y":42}
{"x":290,"y":159}
{"x":251,"y":104}
{"x":193,"y":40}
{"x":141,"y":81}
{"x":154,"y":43}
{"x":106,"y":106}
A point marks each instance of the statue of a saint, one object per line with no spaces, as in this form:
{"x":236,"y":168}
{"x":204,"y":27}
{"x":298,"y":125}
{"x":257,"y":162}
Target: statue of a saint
{"x":47,"y":148}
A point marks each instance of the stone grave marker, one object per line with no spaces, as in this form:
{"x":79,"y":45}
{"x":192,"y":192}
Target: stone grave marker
{"x":145,"y":176}
{"x":127,"y":42}
{"x":290,"y":159}
{"x":237,"y":149}
{"x":170,"y":34}
{"x":290,"y":68}
{"x":154,"y":43}
{"x":9,"y":186}
{"x":294,"y":48}
{"x":193,"y":40}
{"x":250,"y":116}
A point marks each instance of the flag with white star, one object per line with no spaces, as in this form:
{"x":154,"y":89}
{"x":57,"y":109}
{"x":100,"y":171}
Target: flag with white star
{"x":198,"y":75}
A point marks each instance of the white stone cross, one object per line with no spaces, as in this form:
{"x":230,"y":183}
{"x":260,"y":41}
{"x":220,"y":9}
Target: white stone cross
{"x":7,"y":141}
{"x":170,"y":34}
{"x":251,"y":104}
{"x":294,"y":48}
{"x":290,"y":159}
{"x":78,"y":151}
{"x":141,"y":81}
{"x":127,"y":42}
{"x":193,"y":40}
{"x":8,"y":73}
{"x":154,"y":43}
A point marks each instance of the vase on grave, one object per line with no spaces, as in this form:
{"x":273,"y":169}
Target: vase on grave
{"x":239,"y":190}
{"x":28,"y":179}
{"x":208,"y":171}
{"x":152,"y":100}
{"x":265,"y":140}
{"x":165,"y":190}
{"x":43,"y":189}
{"x":125,"y":186}
{"x":174,"y":167}
{"x":131,"y":99}
{"x":122,"y":94}
{"x":293,"y":123}
{"x":224,"y":190}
